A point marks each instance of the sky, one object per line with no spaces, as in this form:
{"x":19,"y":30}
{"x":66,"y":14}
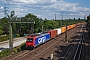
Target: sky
{"x":47,"y":8}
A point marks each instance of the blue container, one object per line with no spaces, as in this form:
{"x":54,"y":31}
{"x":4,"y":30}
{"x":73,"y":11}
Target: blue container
{"x":42,"y":38}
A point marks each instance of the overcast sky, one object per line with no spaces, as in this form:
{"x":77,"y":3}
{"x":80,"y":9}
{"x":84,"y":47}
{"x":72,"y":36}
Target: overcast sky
{"x":47,"y":8}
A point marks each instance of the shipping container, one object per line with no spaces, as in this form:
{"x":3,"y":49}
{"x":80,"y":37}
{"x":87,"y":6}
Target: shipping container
{"x":63,"y":29}
{"x":83,"y":22}
{"x":68,"y":27}
{"x":74,"y":25}
{"x":41,"y":39}
{"x":58,"y":31}
{"x":53,"y":33}
{"x":71,"y":26}
{"x":79,"y":23}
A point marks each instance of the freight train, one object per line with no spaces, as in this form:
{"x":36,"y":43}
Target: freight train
{"x":37,"y":39}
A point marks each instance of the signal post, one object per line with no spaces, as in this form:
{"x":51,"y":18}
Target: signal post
{"x":11,"y":21}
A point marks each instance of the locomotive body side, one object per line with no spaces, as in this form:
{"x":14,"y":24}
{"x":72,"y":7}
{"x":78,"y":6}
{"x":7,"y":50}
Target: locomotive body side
{"x":41,"y":39}
{"x":33,"y":41}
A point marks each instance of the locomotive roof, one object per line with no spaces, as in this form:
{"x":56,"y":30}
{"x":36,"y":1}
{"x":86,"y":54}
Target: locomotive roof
{"x":35,"y":34}
{"x":38,"y":34}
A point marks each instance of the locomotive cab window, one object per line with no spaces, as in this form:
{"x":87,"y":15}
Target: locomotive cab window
{"x":30,"y":39}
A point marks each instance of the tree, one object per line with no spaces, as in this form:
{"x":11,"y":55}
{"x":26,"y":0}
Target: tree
{"x":45,"y":19}
{"x":34,"y":26}
{"x":11,"y":15}
{"x":88,"y":21}
{"x":1,"y":31}
{"x":88,"y":18}
{"x":79,"y":19}
{"x":4,"y":25}
{"x":50,"y":24}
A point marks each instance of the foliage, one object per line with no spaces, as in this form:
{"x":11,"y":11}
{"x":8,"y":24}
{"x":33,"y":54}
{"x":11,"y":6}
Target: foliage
{"x":50,"y":24}
{"x":4,"y":53}
{"x":35,"y":26}
{"x":3,"y":26}
{"x":17,"y":35}
{"x":1,"y":31}
{"x":3,"y":38}
{"x":12,"y":13}
{"x":19,"y":48}
{"x":88,"y":21}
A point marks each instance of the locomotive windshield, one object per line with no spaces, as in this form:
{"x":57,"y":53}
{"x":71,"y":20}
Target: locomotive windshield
{"x":30,"y":39}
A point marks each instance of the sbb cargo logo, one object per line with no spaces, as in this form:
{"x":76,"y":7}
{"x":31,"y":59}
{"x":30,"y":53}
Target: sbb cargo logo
{"x":42,"y":39}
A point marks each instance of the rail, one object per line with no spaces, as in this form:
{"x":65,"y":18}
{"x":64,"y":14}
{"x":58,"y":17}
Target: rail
{"x":69,"y":49}
{"x":77,"y":55}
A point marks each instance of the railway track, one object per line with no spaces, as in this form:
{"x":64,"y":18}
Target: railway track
{"x":42,"y":50}
{"x":78,"y":51}
{"x":74,"y":50}
{"x":85,"y":55}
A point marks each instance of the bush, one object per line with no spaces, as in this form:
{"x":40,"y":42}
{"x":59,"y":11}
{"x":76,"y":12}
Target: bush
{"x":3,"y":38}
{"x":17,"y":35}
{"x":16,"y":49}
{"x":4,"y":53}
{"x":23,"y":46}
{"x":19,"y":48}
